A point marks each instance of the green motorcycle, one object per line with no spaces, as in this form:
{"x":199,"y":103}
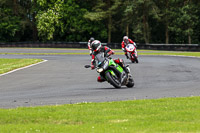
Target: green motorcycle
{"x":115,"y":74}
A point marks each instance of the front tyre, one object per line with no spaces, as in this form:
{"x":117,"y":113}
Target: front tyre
{"x":113,"y":80}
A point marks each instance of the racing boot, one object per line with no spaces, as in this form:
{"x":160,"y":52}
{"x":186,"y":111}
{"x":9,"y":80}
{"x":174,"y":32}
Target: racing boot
{"x":126,"y":56}
{"x":100,"y":79}
{"x":122,"y":64}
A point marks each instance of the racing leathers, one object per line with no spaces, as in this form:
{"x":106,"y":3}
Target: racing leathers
{"x":107,"y":52}
{"x":89,"y":46}
{"x":124,"y":43}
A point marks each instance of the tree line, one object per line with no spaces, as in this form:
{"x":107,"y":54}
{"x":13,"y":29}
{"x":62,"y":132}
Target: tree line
{"x":144,"y":21}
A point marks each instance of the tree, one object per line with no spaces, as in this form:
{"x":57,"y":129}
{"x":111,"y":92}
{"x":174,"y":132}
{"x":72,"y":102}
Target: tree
{"x":138,"y":13}
{"x":48,"y":20}
{"x":23,"y":10}
{"x":9,"y":24}
{"x":104,"y":10}
{"x":145,"y":21}
{"x":19,"y":16}
{"x":63,"y":20}
{"x":183,"y":18}
{"x":188,"y":18}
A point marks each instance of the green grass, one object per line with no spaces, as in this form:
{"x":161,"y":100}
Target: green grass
{"x":46,"y":53}
{"x":195,"y":54}
{"x":161,"y":115}
{"x":7,"y":65}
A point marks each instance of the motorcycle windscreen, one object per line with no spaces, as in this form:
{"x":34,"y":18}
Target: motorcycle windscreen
{"x":130,"y":47}
{"x":100,"y":58}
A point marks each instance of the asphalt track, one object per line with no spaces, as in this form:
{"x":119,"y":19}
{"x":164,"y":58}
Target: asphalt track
{"x":64,"y":80}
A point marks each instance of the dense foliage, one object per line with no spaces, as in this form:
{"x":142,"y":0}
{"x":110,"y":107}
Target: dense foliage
{"x":145,"y":21}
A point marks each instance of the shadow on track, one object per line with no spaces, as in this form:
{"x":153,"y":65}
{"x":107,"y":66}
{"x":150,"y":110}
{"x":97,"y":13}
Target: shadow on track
{"x":111,"y":88}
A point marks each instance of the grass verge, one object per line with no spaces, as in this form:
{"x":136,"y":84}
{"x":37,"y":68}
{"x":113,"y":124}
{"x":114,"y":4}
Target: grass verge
{"x":160,"y":115}
{"x":117,"y":52}
{"x":7,"y":65}
{"x":195,"y":54}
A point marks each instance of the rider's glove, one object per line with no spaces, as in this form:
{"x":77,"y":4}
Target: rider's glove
{"x":124,"y":49}
{"x":135,"y":44}
{"x":110,"y":53}
{"x":92,"y":67}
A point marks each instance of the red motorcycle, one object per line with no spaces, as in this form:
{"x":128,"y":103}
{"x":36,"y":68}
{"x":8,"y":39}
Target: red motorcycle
{"x":132,"y":54}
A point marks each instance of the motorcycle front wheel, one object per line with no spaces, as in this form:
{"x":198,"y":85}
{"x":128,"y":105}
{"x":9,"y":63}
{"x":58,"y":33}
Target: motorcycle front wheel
{"x":113,"y":80}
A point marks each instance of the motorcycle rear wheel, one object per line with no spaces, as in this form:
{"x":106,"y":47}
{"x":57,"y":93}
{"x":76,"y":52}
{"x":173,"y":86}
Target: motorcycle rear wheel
{"x":112,"y":80}
{"x":135,"y":59}
{"x":130,"y":83}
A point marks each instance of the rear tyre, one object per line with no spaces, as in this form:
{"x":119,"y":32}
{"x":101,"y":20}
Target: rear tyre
{"x":135,"y":58}
{"x":132,"y":58}
{"x":130,"y":82}
{"x":113,"y":80}
{"x":132,"y":61}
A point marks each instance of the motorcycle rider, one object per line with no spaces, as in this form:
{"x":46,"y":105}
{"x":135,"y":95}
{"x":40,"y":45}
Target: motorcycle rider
{"x":89,"y":44}
{"x":97,"y":47}
{"x":125,"y":42}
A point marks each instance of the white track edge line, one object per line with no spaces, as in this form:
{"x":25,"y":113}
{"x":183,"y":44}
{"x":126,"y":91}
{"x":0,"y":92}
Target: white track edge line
{"x":175,"y":56}
{"x":22,"y":68}
{"x":185,"y":56}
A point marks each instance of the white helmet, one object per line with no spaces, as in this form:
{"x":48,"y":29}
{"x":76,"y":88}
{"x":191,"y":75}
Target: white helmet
{"x":125,"y":38}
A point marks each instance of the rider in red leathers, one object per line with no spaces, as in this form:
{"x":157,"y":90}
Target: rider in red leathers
{"x":89,"y":44}
{"x":125,"y":42}
{"x":96,"y":47}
